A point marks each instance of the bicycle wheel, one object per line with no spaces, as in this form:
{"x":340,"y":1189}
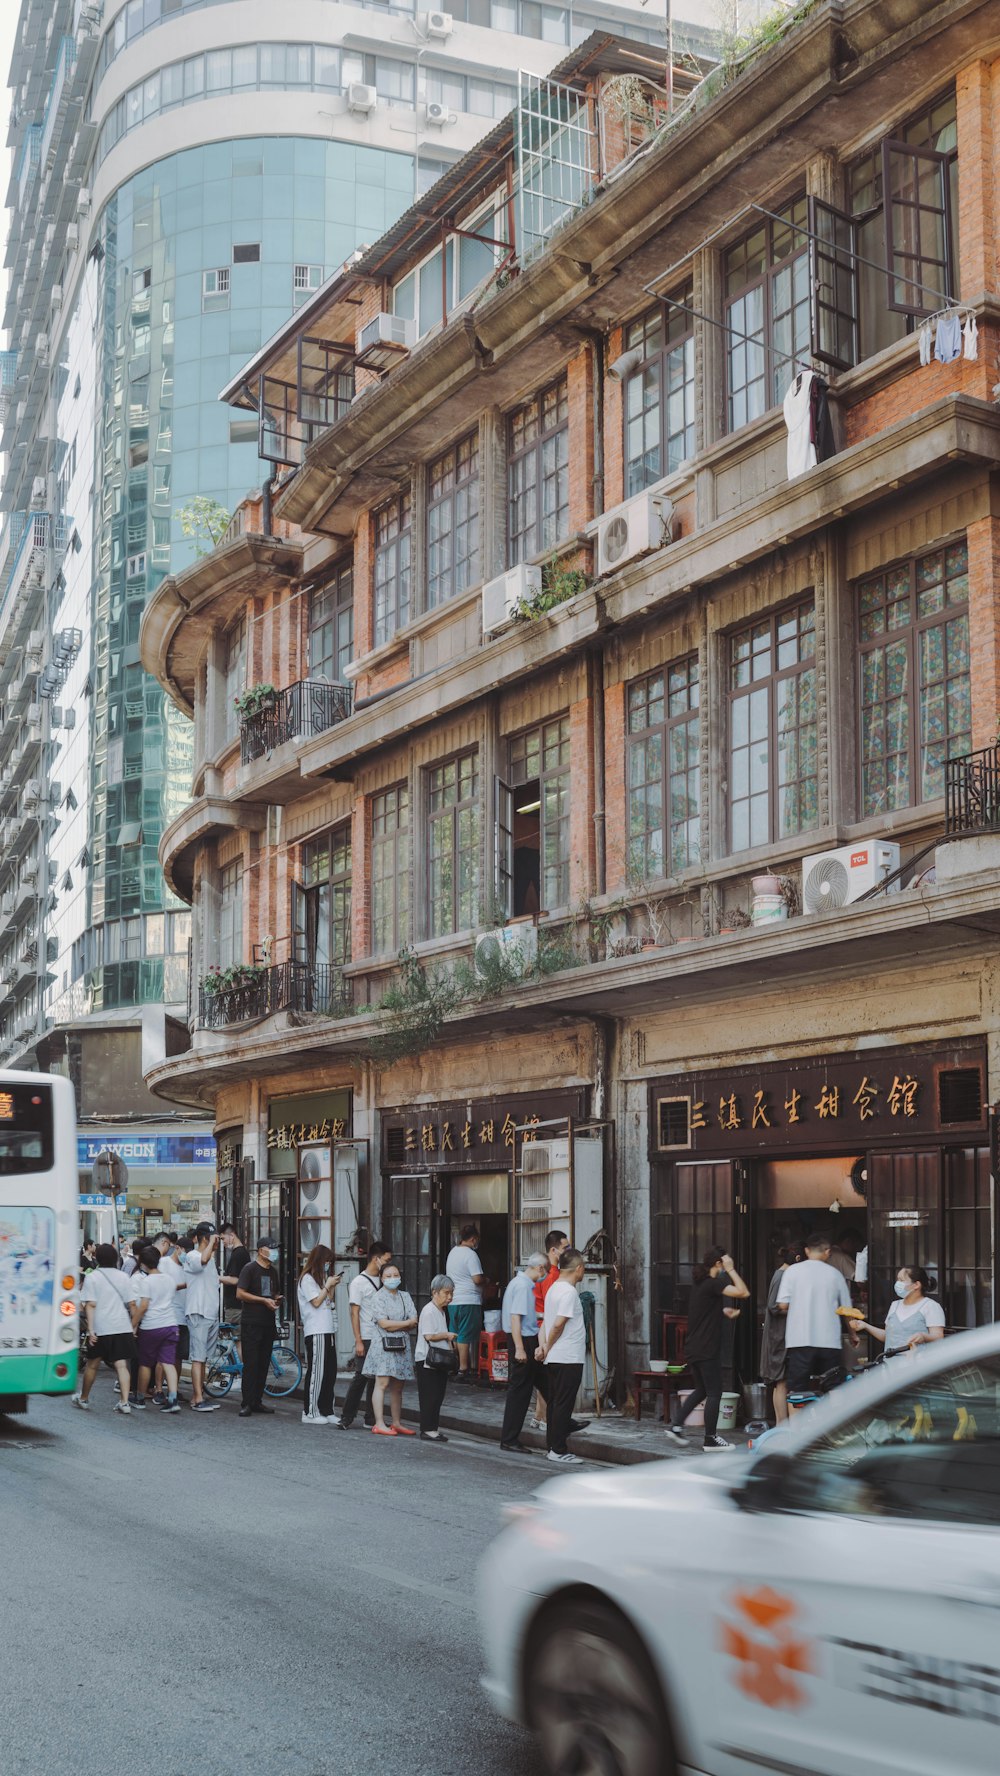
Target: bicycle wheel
{"x":284,"y":1372}
{"x":219,"y":1378}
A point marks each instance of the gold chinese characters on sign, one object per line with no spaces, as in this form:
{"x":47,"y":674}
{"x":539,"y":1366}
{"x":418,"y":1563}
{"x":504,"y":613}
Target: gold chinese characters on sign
{"x":436,"y":1139}
{"x":754,"y":1109}
{"x":293,"y":1134}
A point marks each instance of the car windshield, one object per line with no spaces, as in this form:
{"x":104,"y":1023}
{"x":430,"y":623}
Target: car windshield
{"x":930,"y":1451}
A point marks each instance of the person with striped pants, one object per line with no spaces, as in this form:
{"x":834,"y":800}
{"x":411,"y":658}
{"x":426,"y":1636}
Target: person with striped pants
{"x":317,"y":1286}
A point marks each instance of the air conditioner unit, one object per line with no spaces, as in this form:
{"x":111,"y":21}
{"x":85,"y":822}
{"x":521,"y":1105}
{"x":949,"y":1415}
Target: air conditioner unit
{"x":515,"y":945}
{"x":83,"y":201}
{"x":437,"y":114}
{"x":641,"y":524}
{"x":72,"y":237}
{"x":32,"y":792}
{"x":387,"y":329}
{"x":439,"y":24}
{"x":34,"y":712}
{"x":29,"y":873}
{"x":361,"y":99}
{"x":56,"y":296}
{"x":832,"y":879}
{"x":502,"y":596}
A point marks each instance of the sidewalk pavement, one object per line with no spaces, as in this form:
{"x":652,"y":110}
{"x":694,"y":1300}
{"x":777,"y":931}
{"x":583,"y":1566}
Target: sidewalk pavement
{"x":477,"y":1410}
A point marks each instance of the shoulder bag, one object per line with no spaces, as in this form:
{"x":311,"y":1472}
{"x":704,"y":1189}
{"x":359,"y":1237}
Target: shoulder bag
{"x":442,"y":1356}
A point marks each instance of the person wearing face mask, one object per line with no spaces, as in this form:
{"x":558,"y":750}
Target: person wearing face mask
{"x":519,"y":1319}
{"x":257,"y":1293}
{"x":912,"y":1319}
{"x":389,"y":1358}
{"x":317,"y":1286}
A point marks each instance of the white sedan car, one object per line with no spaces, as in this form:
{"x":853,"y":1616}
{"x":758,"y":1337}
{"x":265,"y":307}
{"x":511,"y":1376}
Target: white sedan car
{"x":825,"y":1606}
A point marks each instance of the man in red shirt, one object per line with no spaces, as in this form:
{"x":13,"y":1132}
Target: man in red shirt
{"x":555,"y":1244}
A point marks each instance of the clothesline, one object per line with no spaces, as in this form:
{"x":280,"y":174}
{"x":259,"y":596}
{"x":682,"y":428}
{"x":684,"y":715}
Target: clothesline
{"x":850,"y":253}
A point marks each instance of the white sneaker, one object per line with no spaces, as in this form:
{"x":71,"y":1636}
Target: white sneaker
{"x":334,"y":1419}
{"x":123,"y":1407}
{"x":676,"y":1435}
{"x":716,"y":1443}
{"x":78,"y":1400}
{"x":313,"y":1418}
{"x":536,"y":1424}
{"x":567,"y":1460}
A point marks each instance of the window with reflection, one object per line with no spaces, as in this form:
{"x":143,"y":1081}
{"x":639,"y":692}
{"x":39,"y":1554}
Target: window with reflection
{"x":453,"y":842}
{"x":331,"y":624}
{"x":766,"y":280}
{"x":391,"y":870}
{"x":773,"y":760}
{"x":659,"y":395}
{"x":453,"y":521}
{"x":664,"y":770}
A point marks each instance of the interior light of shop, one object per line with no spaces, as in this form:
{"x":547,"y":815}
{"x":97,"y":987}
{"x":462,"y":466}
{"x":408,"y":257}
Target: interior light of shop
{"x":529,"y":808}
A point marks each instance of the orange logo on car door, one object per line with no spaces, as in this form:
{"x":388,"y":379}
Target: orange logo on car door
{"x":768,"y":1648}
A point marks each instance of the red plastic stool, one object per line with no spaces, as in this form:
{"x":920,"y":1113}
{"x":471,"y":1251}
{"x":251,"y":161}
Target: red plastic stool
{"x":491,"y":1344}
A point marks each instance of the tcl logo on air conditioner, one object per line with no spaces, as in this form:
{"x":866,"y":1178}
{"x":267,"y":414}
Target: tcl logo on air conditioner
{"x":859,"y":859}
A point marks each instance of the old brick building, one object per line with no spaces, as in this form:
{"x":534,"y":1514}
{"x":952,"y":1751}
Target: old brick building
{"x":752,"y":643}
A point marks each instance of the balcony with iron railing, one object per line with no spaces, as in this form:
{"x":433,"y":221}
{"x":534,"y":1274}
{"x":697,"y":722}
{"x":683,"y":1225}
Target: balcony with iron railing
{"x":972,"y":794}
{"x":248,"y":992}
{"x":300,"y":712}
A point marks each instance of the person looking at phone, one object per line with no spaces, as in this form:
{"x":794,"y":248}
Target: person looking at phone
{"x":257,"y":1292}
{"x":317,"y":1286}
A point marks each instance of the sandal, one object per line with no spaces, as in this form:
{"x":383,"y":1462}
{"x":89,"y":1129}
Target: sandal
{"x":404,"y":1431}
{"x":382,"y":1431}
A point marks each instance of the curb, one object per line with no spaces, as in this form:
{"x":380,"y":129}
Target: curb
{"x":586,"y":1443}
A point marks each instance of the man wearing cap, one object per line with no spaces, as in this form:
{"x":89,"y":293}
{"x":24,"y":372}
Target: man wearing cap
{"x":202,"y":1306}
{"x":257,"y":1292}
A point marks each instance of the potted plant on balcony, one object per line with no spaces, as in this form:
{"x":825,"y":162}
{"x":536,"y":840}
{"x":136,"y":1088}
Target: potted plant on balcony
{"x":258,"y":700}
{"x":230,"y":980}
{"x":734,"y":919}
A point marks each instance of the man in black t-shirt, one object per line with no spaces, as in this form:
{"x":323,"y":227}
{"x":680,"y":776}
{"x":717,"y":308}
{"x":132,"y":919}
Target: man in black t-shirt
{"x":257,"y":1291}
{"x":237,"y":1259}
{"x":715,"y":1284}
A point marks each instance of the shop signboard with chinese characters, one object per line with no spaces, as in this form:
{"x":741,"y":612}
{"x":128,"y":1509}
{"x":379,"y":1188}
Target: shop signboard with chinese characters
{"x":296,"y":1122}
{"x":822,"y":1103}
{"x":474,"y":1134}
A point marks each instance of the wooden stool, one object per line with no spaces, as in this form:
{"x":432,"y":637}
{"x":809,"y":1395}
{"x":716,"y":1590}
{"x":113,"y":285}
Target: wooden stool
{"x":653,"y":1378}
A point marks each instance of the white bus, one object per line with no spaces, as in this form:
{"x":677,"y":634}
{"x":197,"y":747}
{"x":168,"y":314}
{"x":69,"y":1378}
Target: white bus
{"x":39,"y":1238}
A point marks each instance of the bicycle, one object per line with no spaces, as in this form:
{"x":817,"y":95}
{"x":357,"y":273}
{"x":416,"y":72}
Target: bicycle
{"x":284,"y":1372}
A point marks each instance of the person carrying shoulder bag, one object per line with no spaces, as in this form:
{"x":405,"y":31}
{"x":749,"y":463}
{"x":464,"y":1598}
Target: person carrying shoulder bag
{"x":435,"y":1358}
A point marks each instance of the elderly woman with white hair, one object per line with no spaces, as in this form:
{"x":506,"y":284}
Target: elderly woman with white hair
{"x":435,"y":1358}
{"x":519,"y":1319}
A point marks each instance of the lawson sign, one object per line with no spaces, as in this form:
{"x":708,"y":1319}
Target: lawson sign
{"x":149,"y":1150}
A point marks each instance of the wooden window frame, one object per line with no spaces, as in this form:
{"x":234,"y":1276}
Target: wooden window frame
{"x":453,"y":502}
{"x":558,"y":778}
{"x":448,"y":818}
{"x":909,"y":632}
{"x":337,"y":586}
{"x":390,"y":867}
{"x":392,"y":566}
{"x":231,"y":936}
{"x":776,"y":361}
{"x":307,"y":899}
{"x":771,"y":680}
{"x":677,"y":341}
{"x":664,"y":729}
{"x":547,"y":428}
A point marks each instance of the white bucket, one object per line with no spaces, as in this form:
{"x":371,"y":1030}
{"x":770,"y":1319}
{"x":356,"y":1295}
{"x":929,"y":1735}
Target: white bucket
{"x":727,"y":1412}
{"x":697,"y":1417}
{"x":768,"y":909}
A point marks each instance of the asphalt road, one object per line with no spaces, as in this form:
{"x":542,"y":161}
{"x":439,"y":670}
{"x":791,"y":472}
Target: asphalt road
{"x":200,"y":1596}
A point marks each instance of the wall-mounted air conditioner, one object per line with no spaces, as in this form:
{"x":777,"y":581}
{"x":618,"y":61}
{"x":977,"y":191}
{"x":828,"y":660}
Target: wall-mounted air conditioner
{"x":72,"y":237}
{"x":833,"y":879}
{"x":387,"y":329}
{"x":83,"y":201}
{"x":515,"y":946}
{"x":640,"y":524}
{"x":436,"y":114}
{"x":502,"y":596}
{"x":361,"y":99}
{"x":439,"y":25}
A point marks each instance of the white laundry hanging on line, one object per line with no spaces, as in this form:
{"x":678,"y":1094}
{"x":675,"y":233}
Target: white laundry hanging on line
{"x":801,"y":450}
{"x":948,"y":337}
{"x":970,"y":338}
{"x":926,"y":342}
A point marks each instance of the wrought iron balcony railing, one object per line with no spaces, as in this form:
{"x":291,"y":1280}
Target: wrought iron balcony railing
{"x":972,"y":793}
{"x":252,"y":991}
{"x":304,"y":709}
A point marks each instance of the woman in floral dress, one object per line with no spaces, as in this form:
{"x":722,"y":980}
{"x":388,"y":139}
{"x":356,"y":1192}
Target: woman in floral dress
{"x":390,"y":1358}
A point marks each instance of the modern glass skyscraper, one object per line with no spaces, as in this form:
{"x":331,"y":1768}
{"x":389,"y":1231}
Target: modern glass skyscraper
{"x":185,"y":173}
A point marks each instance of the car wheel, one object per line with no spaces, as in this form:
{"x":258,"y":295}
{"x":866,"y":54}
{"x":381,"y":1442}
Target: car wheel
{"x":593,"y":1697}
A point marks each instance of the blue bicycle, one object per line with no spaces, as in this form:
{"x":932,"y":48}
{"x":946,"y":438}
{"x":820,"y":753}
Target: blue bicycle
{"x":284,"y":1371}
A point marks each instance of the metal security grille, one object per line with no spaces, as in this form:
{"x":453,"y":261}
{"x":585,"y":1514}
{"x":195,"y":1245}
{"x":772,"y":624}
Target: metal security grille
{"x":555,"y":157}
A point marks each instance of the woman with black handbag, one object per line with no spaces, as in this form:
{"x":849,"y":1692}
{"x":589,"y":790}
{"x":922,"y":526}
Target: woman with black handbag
{"x":436,"y":1358}
{"x":388,"y":1356}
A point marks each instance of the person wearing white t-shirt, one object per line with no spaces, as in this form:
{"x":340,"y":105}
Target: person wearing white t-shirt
{"x":317,"y":1286}
{"x":201,"y":1308}
{"x":156,"y":1325}
{"x":563,"y":1348}
{"x":811,"y":1295}
{"x":465,"y":1315}
{"x":912,"y":1318}
{"x":362,"y":1296}
{"x":106,"y":1299}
